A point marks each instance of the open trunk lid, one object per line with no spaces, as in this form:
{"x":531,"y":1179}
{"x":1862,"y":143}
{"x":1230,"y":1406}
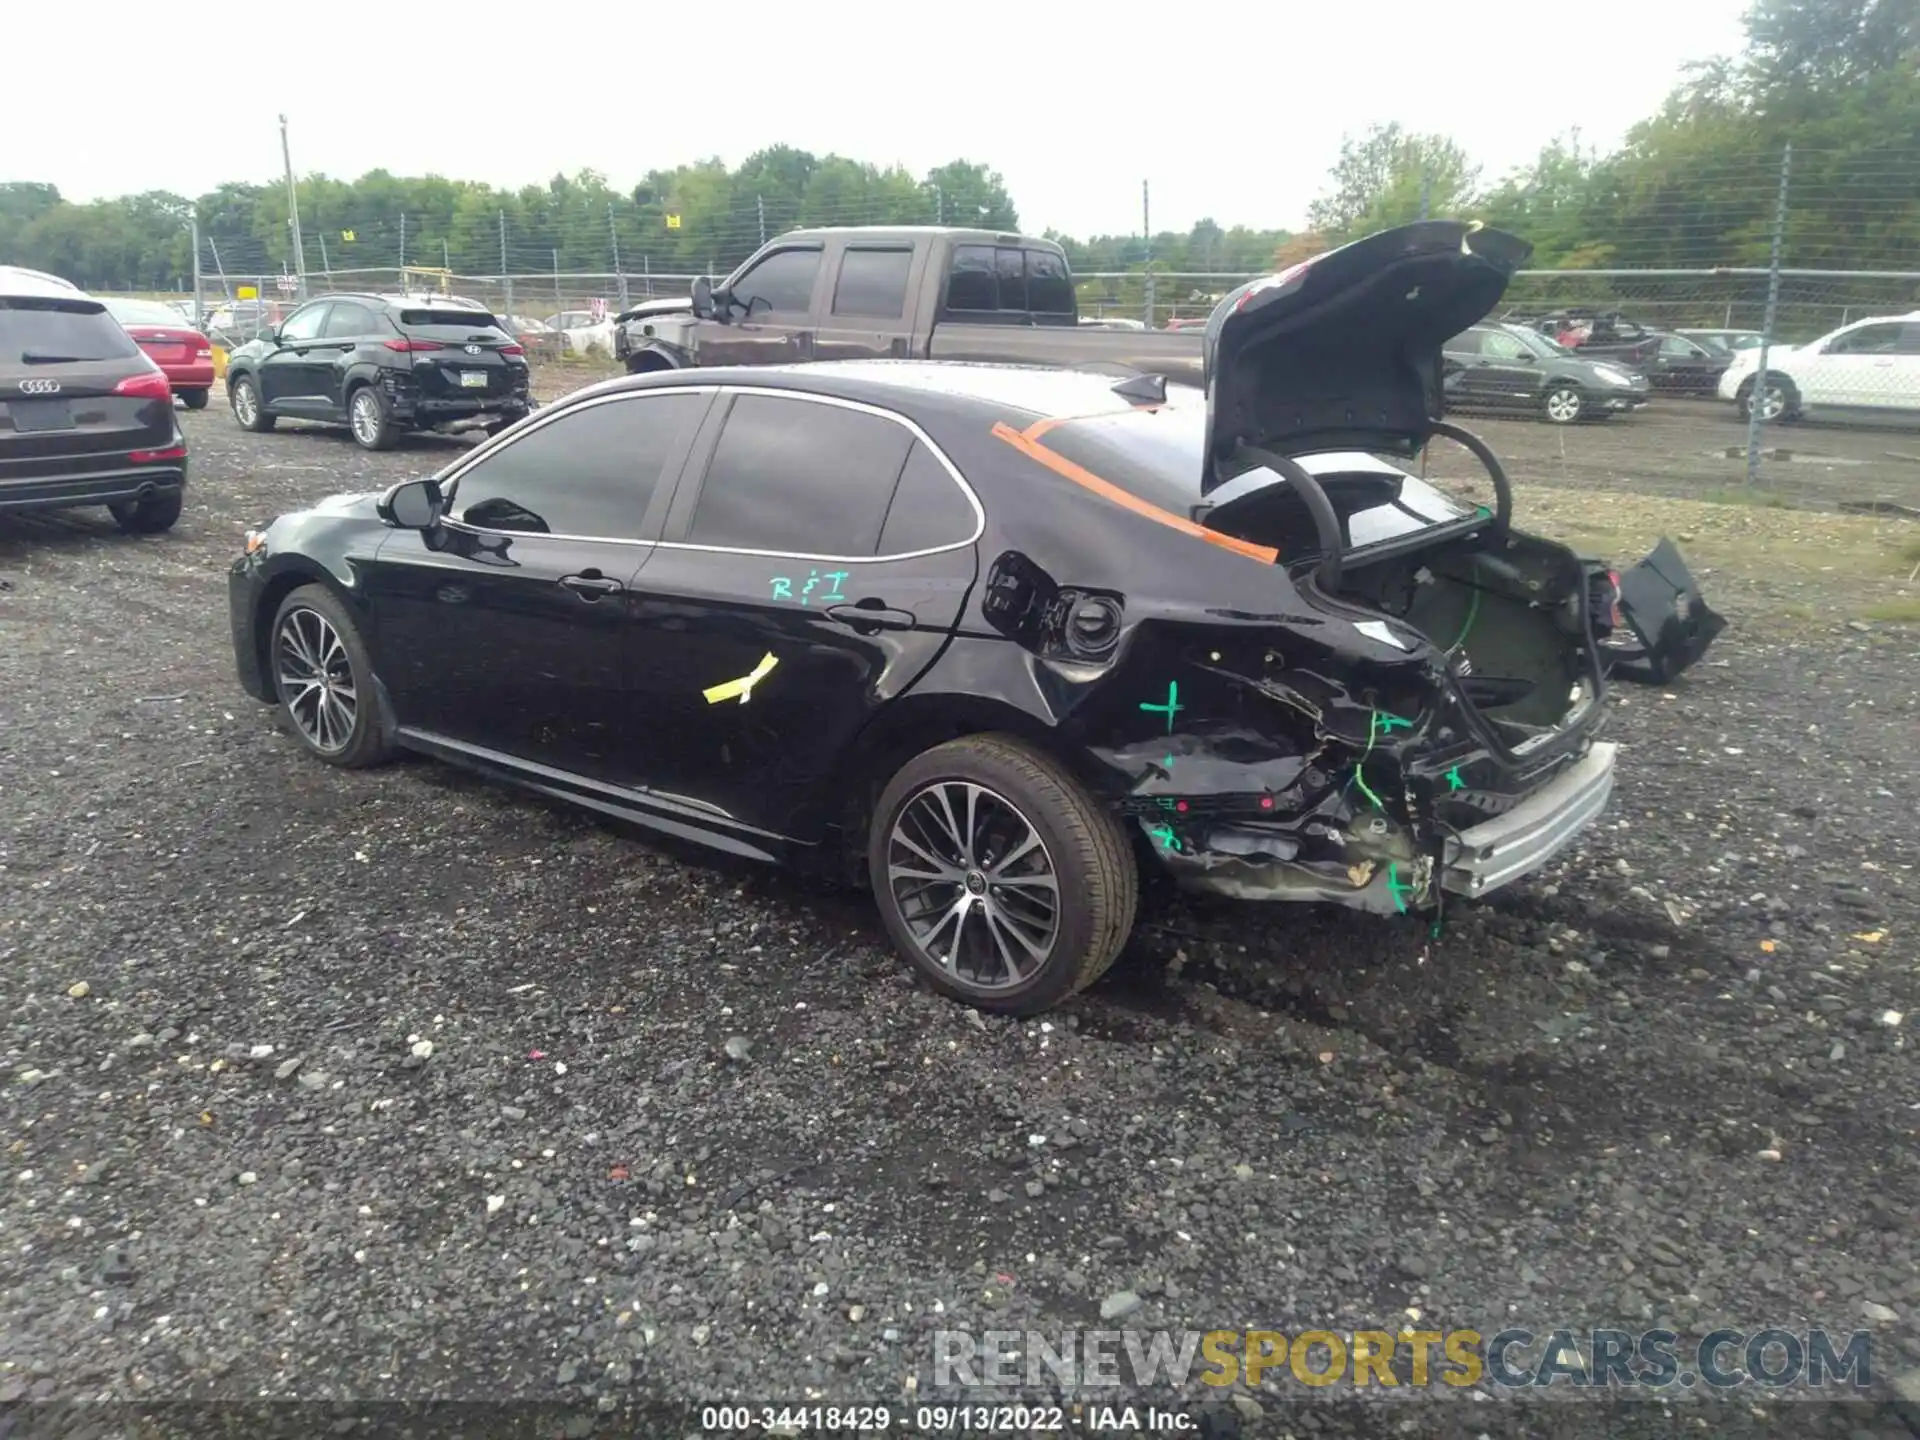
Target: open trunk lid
{"x":1342,"y":352}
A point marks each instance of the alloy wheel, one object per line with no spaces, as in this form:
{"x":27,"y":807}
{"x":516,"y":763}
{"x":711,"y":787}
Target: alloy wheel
{"x":1563,"y":406}
{"x":365,"y":417}
{"x":974,"y":883}
{"x":1773,"y":403}
{"x":246,"y":405}
{"x":316,"y":680}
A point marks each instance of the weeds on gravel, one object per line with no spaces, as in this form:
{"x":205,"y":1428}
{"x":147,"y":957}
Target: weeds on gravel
{"x":1898,"y":612}
{"x":1747,"y":495}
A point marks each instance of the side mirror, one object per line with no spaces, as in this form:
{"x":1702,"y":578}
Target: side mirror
{"x":703,"y":298}
{"x":271,"y":335}
{"x":412,"y":505}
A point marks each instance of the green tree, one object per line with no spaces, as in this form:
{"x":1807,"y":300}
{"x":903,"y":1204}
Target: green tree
{"x":1386,"y":176}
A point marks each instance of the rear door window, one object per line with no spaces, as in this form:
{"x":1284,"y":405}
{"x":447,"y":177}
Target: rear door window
{"x":873,"y":283}
{"x":929,"y":510}
{"x":348,"y":321}
{"x":972,"y":285}
{"x":1466,"y":343}
{"x":799,"y":477}
{"x":37,"y":331}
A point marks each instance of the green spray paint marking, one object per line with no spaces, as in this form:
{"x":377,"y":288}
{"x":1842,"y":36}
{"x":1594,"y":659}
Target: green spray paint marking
{"x":1396,"y":889}
{"x":1385,"y":724}
{"x":1172,"y":706}
{"x":1365,"y":789}
{"x":1454,"y":782}
{"x":1165,"y":836}
{"x":1483,"y":512}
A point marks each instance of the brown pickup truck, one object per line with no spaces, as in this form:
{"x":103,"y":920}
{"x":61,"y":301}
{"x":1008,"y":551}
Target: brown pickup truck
{"x":907,"y":292}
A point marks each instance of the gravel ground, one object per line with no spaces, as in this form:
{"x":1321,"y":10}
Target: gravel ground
{"x":397,"y":1085}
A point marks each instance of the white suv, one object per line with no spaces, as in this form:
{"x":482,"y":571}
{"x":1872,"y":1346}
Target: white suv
{"x":1867,"y":370}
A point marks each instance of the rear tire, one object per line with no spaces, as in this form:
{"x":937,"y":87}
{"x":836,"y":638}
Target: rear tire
{"x":966,"y":898}
{"x":244,"y":395}
{"x":147,"y":516}
{"x":196,"y":399}
{"x":370,"y":418}
{"x":320,"y":672}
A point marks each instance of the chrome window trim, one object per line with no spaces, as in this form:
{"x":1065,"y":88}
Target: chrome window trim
{"x":481,"y":452}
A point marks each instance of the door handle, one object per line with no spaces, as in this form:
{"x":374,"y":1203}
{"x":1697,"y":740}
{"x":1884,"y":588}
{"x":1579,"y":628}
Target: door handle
{"x":867,"y":616}
{"x":590,"y":585}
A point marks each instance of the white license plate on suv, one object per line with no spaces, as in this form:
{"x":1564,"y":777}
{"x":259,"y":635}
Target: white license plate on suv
{"x":474,"y":379}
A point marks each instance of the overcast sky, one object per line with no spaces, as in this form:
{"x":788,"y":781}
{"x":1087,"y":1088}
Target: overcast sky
{"x":1232,"y":109}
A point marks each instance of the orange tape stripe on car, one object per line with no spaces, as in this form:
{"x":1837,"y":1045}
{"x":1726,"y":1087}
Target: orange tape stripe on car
{"x":1027,"y":445}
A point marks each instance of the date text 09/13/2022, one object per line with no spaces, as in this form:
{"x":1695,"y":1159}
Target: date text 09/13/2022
{"x":1024,"y":1420}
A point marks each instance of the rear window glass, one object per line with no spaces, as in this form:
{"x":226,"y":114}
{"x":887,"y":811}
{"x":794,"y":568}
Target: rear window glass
{"x":471,"y":319}
{"x":144,"y":312}
{"x":972,"y":285}
{"x":52,"y":332}
{"x":1049,"y":289}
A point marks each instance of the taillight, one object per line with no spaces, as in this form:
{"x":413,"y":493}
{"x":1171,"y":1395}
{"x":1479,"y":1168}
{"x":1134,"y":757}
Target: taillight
{"x":150,"y":386}
{"x":513,"y":349}
{"x":405,"y":345}
{"x":142,"y":457}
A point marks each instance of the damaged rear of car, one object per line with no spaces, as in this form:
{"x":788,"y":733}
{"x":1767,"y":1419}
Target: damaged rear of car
{"x":1413,"y":705}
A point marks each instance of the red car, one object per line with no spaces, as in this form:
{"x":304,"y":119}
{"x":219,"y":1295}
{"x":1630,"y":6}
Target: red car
{"x":182,"y":352}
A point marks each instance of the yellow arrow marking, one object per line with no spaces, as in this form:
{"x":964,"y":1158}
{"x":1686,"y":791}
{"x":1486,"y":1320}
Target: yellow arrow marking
{"x":743,"y":687}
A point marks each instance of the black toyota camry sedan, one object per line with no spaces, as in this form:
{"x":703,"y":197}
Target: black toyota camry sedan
{"x":994,"y":640}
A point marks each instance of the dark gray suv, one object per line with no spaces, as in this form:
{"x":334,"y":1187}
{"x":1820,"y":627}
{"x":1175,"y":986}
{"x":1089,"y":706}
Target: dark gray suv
{"x":86,"y":418}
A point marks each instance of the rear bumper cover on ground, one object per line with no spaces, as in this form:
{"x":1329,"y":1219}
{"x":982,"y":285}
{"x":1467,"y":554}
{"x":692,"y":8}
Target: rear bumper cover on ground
{"x":1480,"y":860}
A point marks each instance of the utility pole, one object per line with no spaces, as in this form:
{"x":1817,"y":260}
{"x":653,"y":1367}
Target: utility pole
{"x":1426,"y":188}
{"x":403,"y":249}
{"x":1757,"y":399}
{"x":326,"y":265}
{"x":619,"y":275}
{"x":293,"y":213}
{"x":760,"y":209}
{"x":505,"y":279}
{"x":939,"y":207}
{"x":193,"y":229}
{"x":446,"y":261}
{"x":1146,"y":233}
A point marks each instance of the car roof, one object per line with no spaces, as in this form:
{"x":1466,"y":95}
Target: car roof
{"x":17,"y":280}
{"x":958,"y":235}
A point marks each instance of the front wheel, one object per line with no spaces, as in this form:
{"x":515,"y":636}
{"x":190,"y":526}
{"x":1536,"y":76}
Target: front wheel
{"x":998,"y":876}
{"x":324,"y":680}
{"x":1564,"y":404}
{"x":244,"y":395}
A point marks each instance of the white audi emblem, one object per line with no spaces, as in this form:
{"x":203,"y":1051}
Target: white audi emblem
{"x":473,"y":349}
{"x":40,"y":387}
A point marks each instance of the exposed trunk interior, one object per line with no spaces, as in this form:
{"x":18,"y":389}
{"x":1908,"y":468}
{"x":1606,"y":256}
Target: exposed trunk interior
{"x":1511,"y":612}
{"x":1513,"y":616}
